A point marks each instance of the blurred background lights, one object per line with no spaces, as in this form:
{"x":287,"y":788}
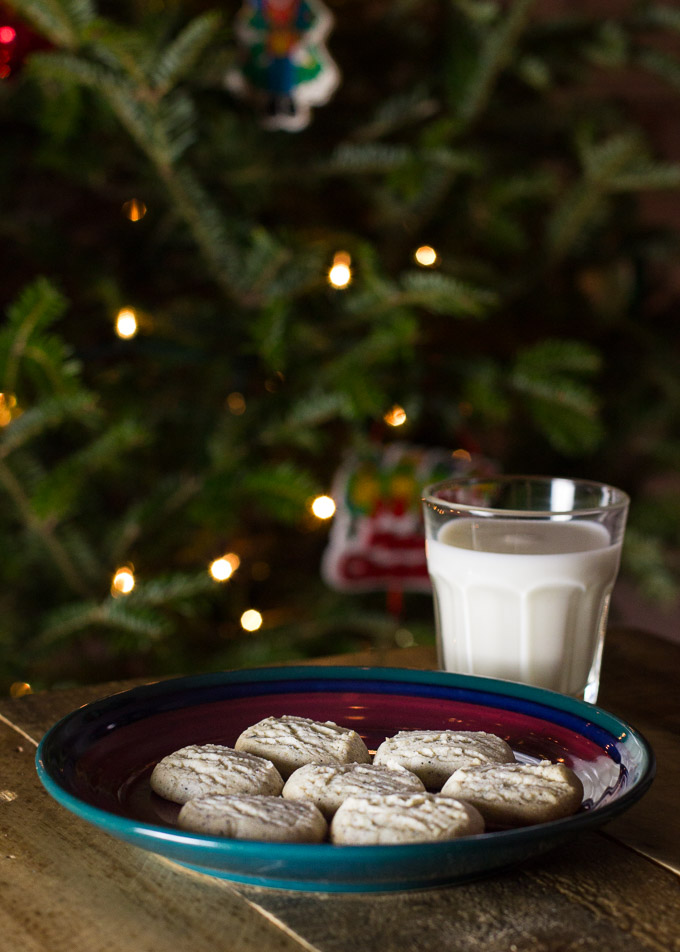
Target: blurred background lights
{"x":462,"y":454}
{"x":236,"y":403}
{"x":221,"y":569}
{"x":123,"y":581}
{"x":135,"y":210}
{"x":396,"y":416}
{"x":7,"y":34}
{"x":425,"y":256}
{"x":323,"y":507}
{"x":340,"y":273}
{"x":251,"y":620}
{"x":20,"y":689}
{"x":8,"y":403}
{"x":126,"y":323}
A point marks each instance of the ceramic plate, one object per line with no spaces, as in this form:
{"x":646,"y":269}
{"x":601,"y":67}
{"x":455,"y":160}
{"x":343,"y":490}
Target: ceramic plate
{"x":96,"y":762}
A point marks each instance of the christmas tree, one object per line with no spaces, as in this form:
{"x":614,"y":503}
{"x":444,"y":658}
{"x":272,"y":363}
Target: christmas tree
{"x":182,"y":371}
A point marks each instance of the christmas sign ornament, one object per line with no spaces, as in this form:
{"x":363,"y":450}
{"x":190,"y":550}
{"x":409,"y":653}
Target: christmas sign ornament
{"x":377,"y":541}
{"x":285,"y":68}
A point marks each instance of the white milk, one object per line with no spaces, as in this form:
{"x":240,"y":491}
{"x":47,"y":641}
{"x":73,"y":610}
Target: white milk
{"x":533,"y":609}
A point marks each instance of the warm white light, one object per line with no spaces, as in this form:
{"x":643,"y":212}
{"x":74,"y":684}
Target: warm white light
{"x":224,"y":567}
{"x":323,"y":507}
{"x":221,"y":570}
{"x":251,"y":620}
{"x":123,"y":582}
{"x":396,"y":416}
{"x":425,"y":256}
{"x":340,"y":274}
{"x":126,"y":323}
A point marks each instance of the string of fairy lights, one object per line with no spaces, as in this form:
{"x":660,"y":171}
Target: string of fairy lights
{"x":222,"y":568}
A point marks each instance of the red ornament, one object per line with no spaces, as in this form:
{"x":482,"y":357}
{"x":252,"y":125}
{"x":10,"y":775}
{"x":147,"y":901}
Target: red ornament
{"x":17,"y":41}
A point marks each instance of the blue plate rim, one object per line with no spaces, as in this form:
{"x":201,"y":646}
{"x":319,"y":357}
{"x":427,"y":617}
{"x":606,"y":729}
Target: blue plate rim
{"x":136,"y":831}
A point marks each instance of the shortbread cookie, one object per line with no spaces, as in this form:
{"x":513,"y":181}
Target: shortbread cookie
{"x":290,"y":742}
{"x":197,"y":771}
{"x":403,"y":818}
{"x":329,"y":785}
{"x":254,"y":818}
{"x":434,"y":755}
{"x":518,"y":794}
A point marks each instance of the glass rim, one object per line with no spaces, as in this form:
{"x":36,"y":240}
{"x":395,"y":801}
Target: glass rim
{"x":619,"y":498}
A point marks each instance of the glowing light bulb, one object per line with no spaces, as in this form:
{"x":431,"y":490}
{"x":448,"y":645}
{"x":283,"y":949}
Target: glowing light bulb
{"x":126,"y":323}
{"x":123,"y":581}
{"x":425,"y":256}
{"x":396,"y":416}
{"x":323,"y":507}
{"x":20,"y":689}
{"x":8,"y":403}
{"x":340,"y":274}
{"x":135,"y":209}
{"x":251,"y":620}
{"x":236,"y":403}
{"x":221,"y":569}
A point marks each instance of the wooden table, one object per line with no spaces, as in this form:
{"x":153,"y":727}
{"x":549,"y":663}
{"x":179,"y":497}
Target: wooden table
{"x":68,"y":887}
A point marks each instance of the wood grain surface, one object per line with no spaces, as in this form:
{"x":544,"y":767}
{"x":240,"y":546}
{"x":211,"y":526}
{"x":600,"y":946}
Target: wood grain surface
{"x":68,"y":887}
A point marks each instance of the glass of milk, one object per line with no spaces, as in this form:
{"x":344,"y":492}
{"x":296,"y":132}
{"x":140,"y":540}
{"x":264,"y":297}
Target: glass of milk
{"x":522,"y":569}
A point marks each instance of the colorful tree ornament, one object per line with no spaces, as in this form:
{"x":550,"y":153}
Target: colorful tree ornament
{"x":285,"y":68}
{"x":377,"y":541}
{"x":17,"y":41}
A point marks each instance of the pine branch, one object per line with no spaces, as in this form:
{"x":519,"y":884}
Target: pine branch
{"x":444,"y":294}
{"x":603,"y":162}
{"x":173,"y":590}
{"x":659,"y":15}
{"x":43,"y":529}
{"x":496,"y":53}
{"x":61,"y":21}
{"x":307,"y":414}
{"x":46,"y":415}
{"x":123,"y":51}
{"x":145,"y":624}
{"x":207,"y":226}
{"x":562,"y":405}
{"x":38,"y":306}
{"x":180,"y":56}
{"x":351,"y":158}
{"x":396,"y":112}
{"x":661,"y":64}
{"x":648,"y":176}
{"x":159,"y":506}
{"x":162,"y":131}
{"x":65,"y":482}
{"x":282,"y":490}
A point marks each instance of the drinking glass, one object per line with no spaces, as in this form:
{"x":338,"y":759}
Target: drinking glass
{"x":522,"y":570}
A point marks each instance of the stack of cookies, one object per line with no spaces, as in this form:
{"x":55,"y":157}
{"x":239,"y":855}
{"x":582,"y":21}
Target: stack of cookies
{"x":292,"y":779}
